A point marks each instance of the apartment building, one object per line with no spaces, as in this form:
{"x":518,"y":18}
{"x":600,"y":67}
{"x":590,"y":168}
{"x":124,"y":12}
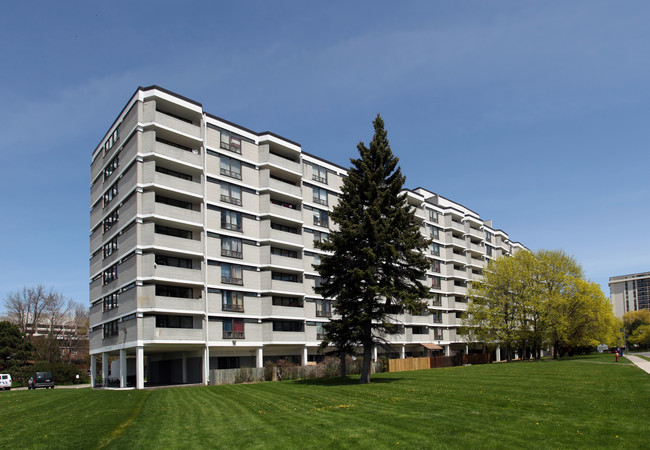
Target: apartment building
{"x":630,"y":292}
{"x":202,"y":248}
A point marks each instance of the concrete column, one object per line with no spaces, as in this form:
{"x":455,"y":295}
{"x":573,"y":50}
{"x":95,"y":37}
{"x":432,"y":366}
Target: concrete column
{"x":305,"y":354}
{"x":374,"y":353}
{"x":122,"y":368}
{"x":402,"y":353}
{"x":93,"y":370}
{"x":260,"y":358}
{"x":447,"y":350}
{"x":184,"y":368}
{"x":105,"y":369}
{"x":498,"y":358}
{"x":467,"y":349}
{"x":206,"y":365}
{"x":139,"y":367}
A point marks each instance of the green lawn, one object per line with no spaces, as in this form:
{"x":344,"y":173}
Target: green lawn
{"x":586,"y":402}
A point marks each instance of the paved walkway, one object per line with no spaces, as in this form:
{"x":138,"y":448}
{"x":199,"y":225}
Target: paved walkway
{"x":641,"y":363}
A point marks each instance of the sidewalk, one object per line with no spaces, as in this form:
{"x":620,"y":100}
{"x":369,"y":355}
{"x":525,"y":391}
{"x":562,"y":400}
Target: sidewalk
{"x":640,"y":363}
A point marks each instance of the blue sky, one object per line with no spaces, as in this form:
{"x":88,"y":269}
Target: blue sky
{"x":533,"y":114}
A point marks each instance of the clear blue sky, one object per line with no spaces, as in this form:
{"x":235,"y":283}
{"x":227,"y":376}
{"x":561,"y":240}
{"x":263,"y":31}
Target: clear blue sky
{"x":533,"y":114}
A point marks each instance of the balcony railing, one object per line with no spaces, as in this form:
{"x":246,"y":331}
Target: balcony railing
{"x":232,"y":307}
{"x":320,"y":336}
{"x":319,"y":179}
{"x":231,"y":253}
{"x":233,"y":335}
{"x":320,"y":201}
{"x":231,"y":226}
{"x":231,"y":174}
{"x":231,"y":200}
{"x":323,"y":313}
{"x":232,"y":280}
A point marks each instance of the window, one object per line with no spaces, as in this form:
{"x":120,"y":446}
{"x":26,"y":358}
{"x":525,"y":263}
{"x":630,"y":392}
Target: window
{"x":436,"y":282}
{"x":433,"y":216}
{"x":435,"y":232}
{"x":111,"y":329}
{"x":488,"y":236}
{"x":323,"y":308}
{"x":232,"y":301}
{"x":110,"y":274}
{"x":174,"y":173}
{"x":437,"y":317}
{"x":436,"y":300}
{"x":110,"y":301}
{"x":319,"y":173}
{"x":281,"y":276}
{"x":319,"y":236}
{"x":112,"y":139}
{"x":231,"y":274}
{"x":173,"y":202}
{"x":420,"y":330}
{"x":488,"y":250}
{"x":231,"y":193}
{"x":174,"y":322}
{"x":288,"y":325}
{"x":320,"y":331}
{"x":176,"y":232}
{"x":233,"y":328}
{"x":437,"y":334}
{"x":111,"y":220}
{"x":316,"y":259}
{"x":110,"y":247}
{"x":111,"y":167}
{"x":230,"y":167}
{"x":285,"y":228}
{"x":173,"y":291}
{"x":435,"y":249}
{"x":320,"y":218}
{"x":231,"y":220}
{"x":110,"y":194}
{"x":292,"y":302}
{"x":435,"y":266}
{"x":164,"y":260}
{"x":231,"y":246}
{"x":320,"y":195}
{"x":230,"y":141}
{"x":284,"y":252}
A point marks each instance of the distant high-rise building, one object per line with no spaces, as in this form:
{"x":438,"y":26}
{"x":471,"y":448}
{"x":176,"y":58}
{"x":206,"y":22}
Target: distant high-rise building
{"x":630,"y":292}
{"x":202,"y":248}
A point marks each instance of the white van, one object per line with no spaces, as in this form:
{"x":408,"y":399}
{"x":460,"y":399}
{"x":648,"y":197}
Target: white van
{"x":5,"y":381}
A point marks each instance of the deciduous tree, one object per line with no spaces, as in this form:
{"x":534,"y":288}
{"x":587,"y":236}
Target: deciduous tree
{"x":375,"y":266}
{"x":536,"y":299}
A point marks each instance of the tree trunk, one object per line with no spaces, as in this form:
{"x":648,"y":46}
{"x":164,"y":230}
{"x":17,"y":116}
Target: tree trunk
{"x":367,"y":360}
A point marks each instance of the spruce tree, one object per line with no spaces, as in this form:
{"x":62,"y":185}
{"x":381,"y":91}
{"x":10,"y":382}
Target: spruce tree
{"x":375,"y":265}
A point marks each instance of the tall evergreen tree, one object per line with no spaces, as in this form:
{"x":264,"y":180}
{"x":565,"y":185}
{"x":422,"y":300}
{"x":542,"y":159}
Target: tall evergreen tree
{"x":375,"y":265}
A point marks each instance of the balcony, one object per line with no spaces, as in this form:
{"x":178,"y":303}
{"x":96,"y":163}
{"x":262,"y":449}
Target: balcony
{"x":150,"y":176}
{"x":150,"y":206}
{"x":277,"y":161}
{"x":176,"y":153}
{"x":180,"y":125}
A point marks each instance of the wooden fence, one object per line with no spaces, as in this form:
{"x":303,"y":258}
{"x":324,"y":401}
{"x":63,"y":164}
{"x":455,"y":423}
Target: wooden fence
{"x":400,"y":365}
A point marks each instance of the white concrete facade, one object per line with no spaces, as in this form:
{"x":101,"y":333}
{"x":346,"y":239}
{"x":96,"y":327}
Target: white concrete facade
{"x":202,"y":248}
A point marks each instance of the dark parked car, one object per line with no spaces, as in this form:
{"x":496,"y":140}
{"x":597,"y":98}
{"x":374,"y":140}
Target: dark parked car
{"x":41,"y":380}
